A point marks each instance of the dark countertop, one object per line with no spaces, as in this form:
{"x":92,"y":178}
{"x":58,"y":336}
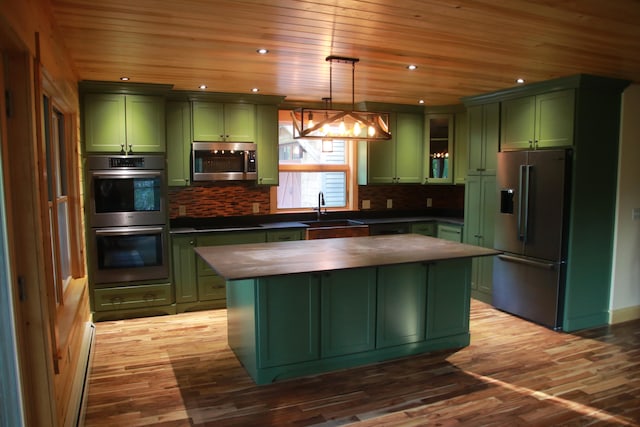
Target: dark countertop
{"x":200,"y":225}
{"x":307,"y":256}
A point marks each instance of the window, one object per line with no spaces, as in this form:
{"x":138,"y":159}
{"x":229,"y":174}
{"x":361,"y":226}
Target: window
{"x":58,"y":198}
{"x":310,"y":166}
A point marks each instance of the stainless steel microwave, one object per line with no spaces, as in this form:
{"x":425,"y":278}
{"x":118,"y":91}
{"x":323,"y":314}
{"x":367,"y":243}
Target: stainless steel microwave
{"x":224,"y":161}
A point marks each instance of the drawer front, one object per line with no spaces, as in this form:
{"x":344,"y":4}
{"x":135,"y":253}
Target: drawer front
{"x":284,"y":235}
{"x":424,"y":228}
{"x":225,"y":238}
{"x":139,"y":296}
{"x":211,"y":288}
{"x":450,"y":232}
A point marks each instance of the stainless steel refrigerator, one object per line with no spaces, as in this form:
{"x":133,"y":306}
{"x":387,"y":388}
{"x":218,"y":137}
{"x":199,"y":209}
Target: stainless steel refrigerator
{"x":531,"y":229}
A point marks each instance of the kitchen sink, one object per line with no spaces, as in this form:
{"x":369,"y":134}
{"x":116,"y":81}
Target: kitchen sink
{"x":326,"y":229}
{"x":333,"y":223}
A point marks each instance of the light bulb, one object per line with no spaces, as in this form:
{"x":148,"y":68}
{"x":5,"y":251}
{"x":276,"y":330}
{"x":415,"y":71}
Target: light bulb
{"x":372,"y":131}
{"x":325,"y":129}
{"x":356,"y":129}
{"x":310,"y":121}
{"x":342,"y":128}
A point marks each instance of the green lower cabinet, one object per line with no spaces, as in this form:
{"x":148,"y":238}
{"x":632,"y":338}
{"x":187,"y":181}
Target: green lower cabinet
{"x":303,"y":324}
{"x":448,"y":298}
{"x":123,"y":302}
{"x":424,"y":228}
{"x":348,"y":301}
{"x":287,"y":311}
{"x":285,"y":235}
{"x":450,"y":232}
{"x":184,"y":268}
{"x":401,"y":304}
{"x":211,"y":288}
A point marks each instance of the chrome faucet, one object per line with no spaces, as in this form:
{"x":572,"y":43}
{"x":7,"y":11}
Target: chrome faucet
{"x":320,"y":204}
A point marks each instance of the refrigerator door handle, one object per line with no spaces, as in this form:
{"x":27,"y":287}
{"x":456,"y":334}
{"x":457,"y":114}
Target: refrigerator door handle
{"x":520,"y":201}
{"x":527,"y":187}
{"x":538,"y":264}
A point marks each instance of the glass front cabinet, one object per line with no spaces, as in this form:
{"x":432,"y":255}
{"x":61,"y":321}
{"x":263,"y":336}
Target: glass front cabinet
{"x":438,"y":152}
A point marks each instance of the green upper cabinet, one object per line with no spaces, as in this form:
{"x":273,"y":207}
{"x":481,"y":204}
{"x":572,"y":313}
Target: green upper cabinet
{"x":115,"y":122}
{"x":438,"y":148}
{"x":460,"y":148}
{"x":214,"y":121}
{"x":399,"y":159}
{"x":178,"y":143}
{"x":538,"y":121}
{"x":483,"y":131}
{"x":408,"y":138}
{"x":267,"y":141}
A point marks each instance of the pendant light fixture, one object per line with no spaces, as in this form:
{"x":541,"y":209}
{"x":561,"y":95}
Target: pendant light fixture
{"x":328,"y":123}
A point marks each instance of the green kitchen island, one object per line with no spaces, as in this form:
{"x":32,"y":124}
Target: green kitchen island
{"x":304,"y":307}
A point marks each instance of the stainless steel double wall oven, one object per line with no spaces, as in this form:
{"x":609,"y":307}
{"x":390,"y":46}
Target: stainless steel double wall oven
{"x":127,"y":218}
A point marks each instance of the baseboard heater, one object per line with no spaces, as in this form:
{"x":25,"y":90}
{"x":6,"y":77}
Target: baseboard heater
{"x":77,"y":408}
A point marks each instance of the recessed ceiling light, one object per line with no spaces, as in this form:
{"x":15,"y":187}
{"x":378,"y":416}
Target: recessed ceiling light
{"x":202,"y":86}
{"x":262,"y":51}
{"x":421,"y":101}
{"x":124,"y":78}
{"x":520,"y":81}
{"x":255,"y":89}
{"x":412,"y":67}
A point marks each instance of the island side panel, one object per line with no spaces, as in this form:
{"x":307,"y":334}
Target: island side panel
{"x":241,"y":322}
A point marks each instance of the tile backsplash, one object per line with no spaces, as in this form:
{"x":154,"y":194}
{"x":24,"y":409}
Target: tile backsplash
{"x":204,"y":200}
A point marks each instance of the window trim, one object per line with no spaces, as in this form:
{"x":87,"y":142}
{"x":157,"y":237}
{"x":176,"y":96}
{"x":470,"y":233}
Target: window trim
{"x":350,"y":168}
{"x":67,"y":303}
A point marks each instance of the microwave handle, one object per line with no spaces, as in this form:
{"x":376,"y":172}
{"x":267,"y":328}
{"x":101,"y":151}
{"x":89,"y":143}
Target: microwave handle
{"x":118,"y":231}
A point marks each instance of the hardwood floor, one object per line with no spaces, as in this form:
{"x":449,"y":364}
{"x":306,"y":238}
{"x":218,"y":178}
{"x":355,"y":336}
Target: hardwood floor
{"x":178,"y":371}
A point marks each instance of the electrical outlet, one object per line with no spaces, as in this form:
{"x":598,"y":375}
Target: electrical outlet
{"x":429,"y":202}
{"x":389,"y":203}
{"x":182,"y":210}
{"x":366,"y":204}
{"x":256,"y":207}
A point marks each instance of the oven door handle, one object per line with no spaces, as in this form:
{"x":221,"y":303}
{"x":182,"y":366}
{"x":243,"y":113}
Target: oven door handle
{"x":126,"y":174}
{"x":119,"y":231}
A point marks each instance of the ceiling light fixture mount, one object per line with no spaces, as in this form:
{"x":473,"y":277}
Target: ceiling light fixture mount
{"x":340,"y":124}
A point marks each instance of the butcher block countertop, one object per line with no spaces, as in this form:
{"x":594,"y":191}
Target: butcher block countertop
{"x":247,"y":261}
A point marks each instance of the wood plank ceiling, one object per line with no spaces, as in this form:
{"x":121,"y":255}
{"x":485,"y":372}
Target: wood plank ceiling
{"x":461,"y":47}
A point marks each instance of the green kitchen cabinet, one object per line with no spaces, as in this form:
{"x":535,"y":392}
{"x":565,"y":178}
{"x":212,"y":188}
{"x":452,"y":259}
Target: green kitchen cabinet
{"x":184,"y":268}
{"x":115,"y":122}
{"x":425,"y":228}
{"x":178,"y":143}
{"x":450,"y":232}
{"x":214,"y":121}
{"x":288,"y":319}
{"x":538,"y":121}
{"x":438,"y":149}
{"x":399,"y":160}
{"x":267,"y":142}
{"x":197,"y":285}
{"x":401,"y":304}
{"x":285,"y":235}
{"x":348,"y":311}
{"x":479,"y":217}
{"x":484,"y":137}
{"x":460,"y":148}
{"x":448,"y":299}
